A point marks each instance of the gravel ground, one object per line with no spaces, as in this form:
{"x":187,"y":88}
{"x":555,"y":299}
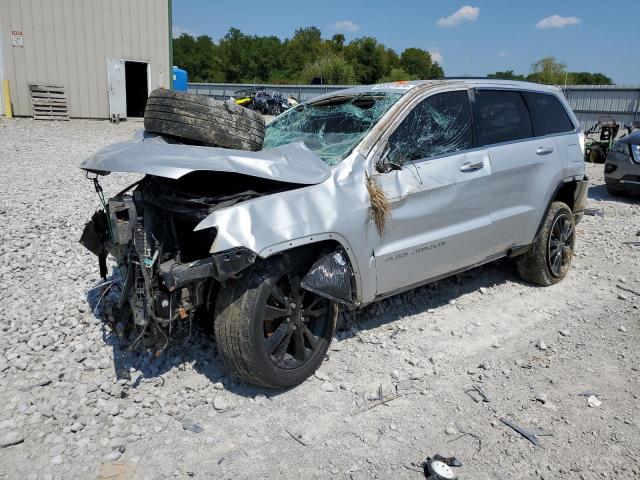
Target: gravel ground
{"x":73,"y":401}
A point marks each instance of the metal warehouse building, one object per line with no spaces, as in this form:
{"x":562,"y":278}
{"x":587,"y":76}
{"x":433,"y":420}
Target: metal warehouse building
{"x":107,"y":54}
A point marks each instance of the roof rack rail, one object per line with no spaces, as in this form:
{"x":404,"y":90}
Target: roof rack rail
{"x":492,"y":78}
{"x":468,"y":78}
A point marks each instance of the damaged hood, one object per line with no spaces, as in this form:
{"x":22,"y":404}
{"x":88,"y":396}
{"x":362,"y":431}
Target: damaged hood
{"x":153,"y":155}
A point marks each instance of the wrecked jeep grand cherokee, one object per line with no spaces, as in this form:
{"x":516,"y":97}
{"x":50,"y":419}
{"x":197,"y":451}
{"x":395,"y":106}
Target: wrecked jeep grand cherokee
{"x":357,"y":195}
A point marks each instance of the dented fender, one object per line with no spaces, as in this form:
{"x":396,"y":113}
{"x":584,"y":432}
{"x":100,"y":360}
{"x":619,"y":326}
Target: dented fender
{"x":275,"y":223}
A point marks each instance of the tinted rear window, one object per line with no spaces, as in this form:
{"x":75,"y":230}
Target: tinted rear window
{"x":500,"y":116}
{"x":547,"y":114}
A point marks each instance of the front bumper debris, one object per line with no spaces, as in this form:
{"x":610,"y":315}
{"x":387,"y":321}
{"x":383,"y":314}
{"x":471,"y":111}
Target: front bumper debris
{"x":220,"y":266}
{"x":166,"y":273}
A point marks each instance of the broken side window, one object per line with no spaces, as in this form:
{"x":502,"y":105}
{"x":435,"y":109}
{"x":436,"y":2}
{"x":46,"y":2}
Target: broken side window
{"x":331,"y":127}
{"x":438,"y":125}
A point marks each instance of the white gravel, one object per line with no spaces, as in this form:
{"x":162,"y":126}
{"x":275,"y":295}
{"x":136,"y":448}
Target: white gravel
{"x":71,"y":397}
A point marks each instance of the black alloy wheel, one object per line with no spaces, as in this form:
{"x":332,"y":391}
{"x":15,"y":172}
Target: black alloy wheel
{"x":294,"y":322}
{"x":560,"y":246}
{"x":270,"y":331}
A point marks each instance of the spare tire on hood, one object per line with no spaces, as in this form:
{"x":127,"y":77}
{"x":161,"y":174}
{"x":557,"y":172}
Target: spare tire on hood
{"x":203,"y":120}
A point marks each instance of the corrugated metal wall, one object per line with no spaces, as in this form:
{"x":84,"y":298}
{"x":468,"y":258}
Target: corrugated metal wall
{"x":68,"y":42}
{"x":589,"y":102}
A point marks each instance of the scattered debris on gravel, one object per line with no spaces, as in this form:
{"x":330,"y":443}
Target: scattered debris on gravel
{"x":436,"y":369}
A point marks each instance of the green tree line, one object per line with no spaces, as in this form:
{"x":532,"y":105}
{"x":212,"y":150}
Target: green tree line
{"x":240,"y":58}
{"x":549,"y":70}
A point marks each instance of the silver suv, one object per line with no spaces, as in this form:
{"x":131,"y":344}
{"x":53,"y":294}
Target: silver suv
{"x":357,"y":195}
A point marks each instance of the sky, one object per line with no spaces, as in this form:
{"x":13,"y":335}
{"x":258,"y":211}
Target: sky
{"x":468,"y":39}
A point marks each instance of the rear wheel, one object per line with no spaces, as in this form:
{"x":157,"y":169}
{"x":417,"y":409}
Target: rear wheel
{"x":549,"y":259}
{"x":271,"y":332}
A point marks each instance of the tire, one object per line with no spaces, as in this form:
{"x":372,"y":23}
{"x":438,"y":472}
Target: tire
{"x":203,"y":120}
{"x":251,"y":344}
{"x":540,"y":264}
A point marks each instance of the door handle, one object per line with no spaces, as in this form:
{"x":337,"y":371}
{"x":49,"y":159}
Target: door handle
{"x":544,"y":150}
{"x":471,"y":166}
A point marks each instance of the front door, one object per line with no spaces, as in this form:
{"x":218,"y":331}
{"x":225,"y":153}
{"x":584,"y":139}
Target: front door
{"x":439,"y":215}
{"x":117,"y":88}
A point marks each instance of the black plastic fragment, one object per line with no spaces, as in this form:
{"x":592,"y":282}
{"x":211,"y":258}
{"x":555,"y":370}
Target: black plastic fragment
{"x":331,"y":277}
{"x":522,"y":431}
{"x":96,"y":233}
{"x":94,"y":238}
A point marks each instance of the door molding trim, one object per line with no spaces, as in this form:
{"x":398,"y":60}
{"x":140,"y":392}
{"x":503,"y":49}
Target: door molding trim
{"x":413,"y":286}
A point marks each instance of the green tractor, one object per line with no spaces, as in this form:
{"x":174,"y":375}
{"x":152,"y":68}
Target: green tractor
{"x":599,"y":139}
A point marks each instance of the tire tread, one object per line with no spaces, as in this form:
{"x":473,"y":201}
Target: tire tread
{"x":235,"y":307}
{"x":203,"y":119}
{"x":532,"y":266}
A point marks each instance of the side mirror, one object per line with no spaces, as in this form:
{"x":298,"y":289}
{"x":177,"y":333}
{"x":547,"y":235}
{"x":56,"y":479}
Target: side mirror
{"x":385,"y":165}
{"x":394,"y":165}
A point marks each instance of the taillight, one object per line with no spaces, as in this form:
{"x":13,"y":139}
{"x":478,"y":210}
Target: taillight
{"x":581,"y":141}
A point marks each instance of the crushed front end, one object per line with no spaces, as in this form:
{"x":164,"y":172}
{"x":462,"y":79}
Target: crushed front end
{"x":166,"y":273}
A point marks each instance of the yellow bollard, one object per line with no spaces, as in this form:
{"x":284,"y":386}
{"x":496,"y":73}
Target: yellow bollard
{"x":6,"y":93}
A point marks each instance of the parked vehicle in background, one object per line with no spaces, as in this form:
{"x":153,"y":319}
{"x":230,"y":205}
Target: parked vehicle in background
{"x":622,"y":167}
{"x":357,"y":195}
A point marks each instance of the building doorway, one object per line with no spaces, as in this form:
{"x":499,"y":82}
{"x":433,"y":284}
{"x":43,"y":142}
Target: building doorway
{"x":136,"y":76}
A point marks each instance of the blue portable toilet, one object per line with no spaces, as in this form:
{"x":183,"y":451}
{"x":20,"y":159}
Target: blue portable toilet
{"x":180,"y":79}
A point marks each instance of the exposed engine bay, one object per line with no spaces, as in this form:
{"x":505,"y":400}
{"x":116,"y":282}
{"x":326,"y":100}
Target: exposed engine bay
{"x":166,"y":272}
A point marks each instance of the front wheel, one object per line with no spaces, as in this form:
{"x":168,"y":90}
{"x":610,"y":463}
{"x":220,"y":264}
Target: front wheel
{"x":549,"y":259}
{"x":270,"y":331}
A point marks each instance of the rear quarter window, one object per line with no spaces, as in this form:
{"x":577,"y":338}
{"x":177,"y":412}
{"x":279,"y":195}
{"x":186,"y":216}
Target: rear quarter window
{"x":548,"y":116}
{"x":500,"y":116}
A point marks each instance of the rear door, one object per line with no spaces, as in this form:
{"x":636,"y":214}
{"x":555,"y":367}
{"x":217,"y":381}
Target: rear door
{"x":117,"y":88}
{"x":523,"y":167}
{"x":550,"y":118}
{"x":439,"y":221}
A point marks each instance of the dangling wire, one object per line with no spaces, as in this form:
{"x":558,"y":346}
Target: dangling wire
{"x":100,"y":192}
{"x":98,"y":187}
{"x":190,"y":322}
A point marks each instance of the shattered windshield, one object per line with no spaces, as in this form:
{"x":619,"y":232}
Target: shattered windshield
{"x":332,"y":127}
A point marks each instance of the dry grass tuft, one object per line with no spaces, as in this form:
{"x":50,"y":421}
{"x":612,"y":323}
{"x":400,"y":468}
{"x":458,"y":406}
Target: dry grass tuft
{"x":380,"y":209}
